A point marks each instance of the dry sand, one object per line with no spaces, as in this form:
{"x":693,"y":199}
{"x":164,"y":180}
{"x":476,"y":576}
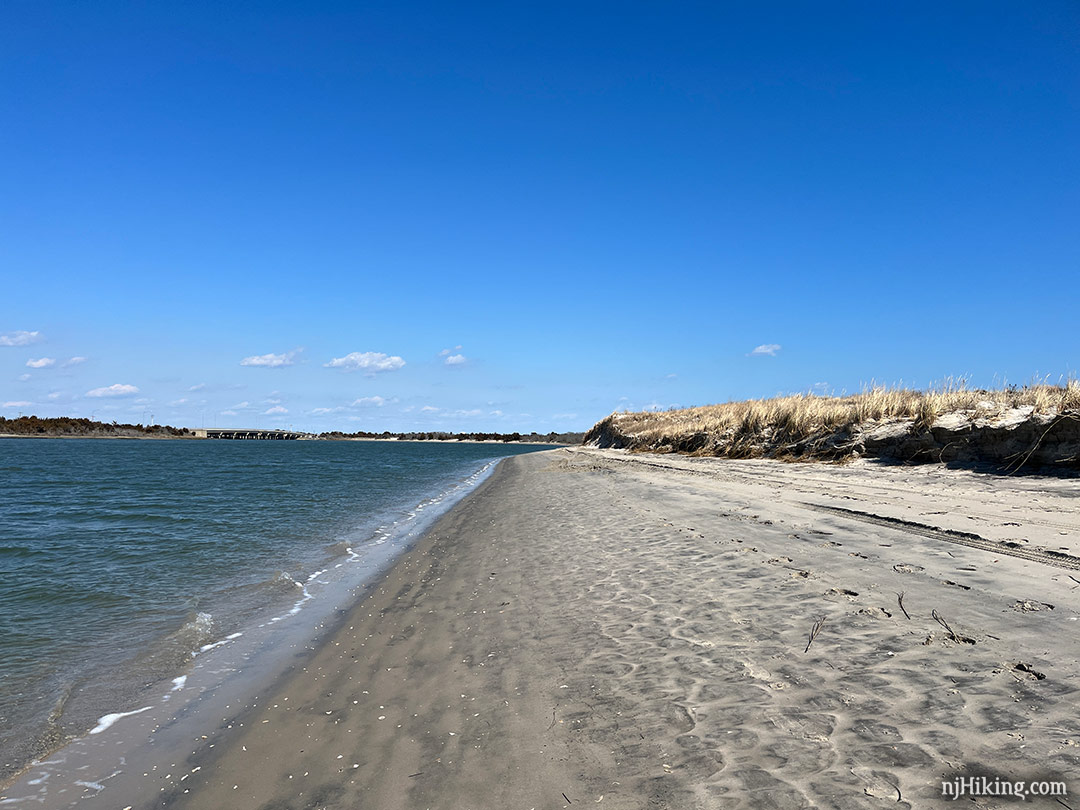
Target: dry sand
{"x":626,"y":631}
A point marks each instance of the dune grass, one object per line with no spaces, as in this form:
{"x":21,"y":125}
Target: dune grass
{"x":743,"y":429}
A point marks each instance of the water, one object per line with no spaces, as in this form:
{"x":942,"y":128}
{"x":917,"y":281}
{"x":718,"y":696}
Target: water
{"x":120,"y":560}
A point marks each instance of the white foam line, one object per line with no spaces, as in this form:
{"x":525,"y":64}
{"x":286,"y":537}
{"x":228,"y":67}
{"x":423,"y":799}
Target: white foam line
{"x":109,"y":719}
{"x":178,"y":683}
{"x":216,"y":644}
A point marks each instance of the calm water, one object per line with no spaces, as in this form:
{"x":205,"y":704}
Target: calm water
{"x":119,"y":559}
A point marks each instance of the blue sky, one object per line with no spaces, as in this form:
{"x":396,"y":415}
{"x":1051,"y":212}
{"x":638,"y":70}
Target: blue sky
{"x":588,"y":207}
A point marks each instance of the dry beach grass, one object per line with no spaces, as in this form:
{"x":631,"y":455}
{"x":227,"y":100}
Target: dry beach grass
{"x":808,"y":425}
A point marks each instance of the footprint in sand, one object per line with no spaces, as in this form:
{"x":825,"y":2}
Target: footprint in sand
{"x":906,"y":568}
{"x":841,"y":592}
{"x":1030,"y":605}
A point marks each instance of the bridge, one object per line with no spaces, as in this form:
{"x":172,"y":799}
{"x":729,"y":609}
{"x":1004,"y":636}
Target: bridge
{"x":240,"y":433}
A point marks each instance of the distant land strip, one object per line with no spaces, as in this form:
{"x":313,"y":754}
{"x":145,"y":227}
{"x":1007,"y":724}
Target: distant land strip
{"x":66,"y":426}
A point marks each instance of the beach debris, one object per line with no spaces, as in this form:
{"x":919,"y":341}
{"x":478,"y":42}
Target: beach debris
{"x":1020,"y":666}
{"x":1030,"y":605}
{"x":952,"y":633}
{"x":841,"y":592}
{"x":900,"y":602}
{"x":955,"y":584}
{"x":567,"y":799}
{"x":814,"y":632}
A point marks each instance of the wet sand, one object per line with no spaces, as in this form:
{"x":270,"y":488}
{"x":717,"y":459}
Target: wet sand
{"x":630,"y":631}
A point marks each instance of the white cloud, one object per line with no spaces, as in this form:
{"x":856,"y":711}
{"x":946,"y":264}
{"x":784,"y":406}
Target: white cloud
{"x":371,"y":362}
{"x":143,"y":401}
{"x":19,"y":338}
{"x":271,"y":360}
{"x":324,"y":411}
{"x":470,"y":412}
{"x":176,"y":402}
{"x":17,"y":404}
{"x":55,"y":395}
{"x":428,"y":409}
{"x":24,"y":377}
{"x":455,"y":360}
{"x":114,"y":390}
{"x":377,"y":401}
{"x":241,"y":405}
{"x":766,"y":349}
{"x":73,"y":361}
{"x":228,"y":413}
{"x":41,"y":362}
{"x":445,"y":352}
{"x":197,"y":387}
{"x":277,"y":409}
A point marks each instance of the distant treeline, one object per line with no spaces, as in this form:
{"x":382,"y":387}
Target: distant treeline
{"x":70,"y":426}
{"x":440,"y":436}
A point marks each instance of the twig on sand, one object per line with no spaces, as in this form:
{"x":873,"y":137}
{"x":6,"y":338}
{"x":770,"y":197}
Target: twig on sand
{"x":814,"y":632}
{"x":900,"y":602}
{"x":952,"y":633}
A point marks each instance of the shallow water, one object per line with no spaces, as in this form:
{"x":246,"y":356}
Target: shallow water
{"x":121,"y":560}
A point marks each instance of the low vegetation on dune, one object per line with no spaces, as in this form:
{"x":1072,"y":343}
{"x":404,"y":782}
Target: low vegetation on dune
{"x":1033,"y":425}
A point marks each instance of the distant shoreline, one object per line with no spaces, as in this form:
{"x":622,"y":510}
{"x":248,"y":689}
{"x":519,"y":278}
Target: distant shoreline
{"x":66,"y":427}
{"x":313,"y":438}
{"x":88,"y":436}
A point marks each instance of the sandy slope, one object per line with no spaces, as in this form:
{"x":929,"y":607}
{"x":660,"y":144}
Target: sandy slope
{"x":588,"y":629}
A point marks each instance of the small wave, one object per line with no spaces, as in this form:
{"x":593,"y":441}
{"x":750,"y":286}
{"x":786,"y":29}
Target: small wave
{"x":306,"y":596}
{"x":340,"y":548}
{"x":174,"y":651}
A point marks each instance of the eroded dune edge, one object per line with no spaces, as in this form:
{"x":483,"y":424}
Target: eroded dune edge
{"x":1032,"y":428}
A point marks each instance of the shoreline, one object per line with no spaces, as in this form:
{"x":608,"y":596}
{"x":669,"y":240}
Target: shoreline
{"x":316,"y":439}
{"x":164,"y":714}
{"x":594,"y":626}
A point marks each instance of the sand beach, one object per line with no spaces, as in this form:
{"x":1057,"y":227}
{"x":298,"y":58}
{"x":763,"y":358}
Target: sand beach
{"x":599,"y":628}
